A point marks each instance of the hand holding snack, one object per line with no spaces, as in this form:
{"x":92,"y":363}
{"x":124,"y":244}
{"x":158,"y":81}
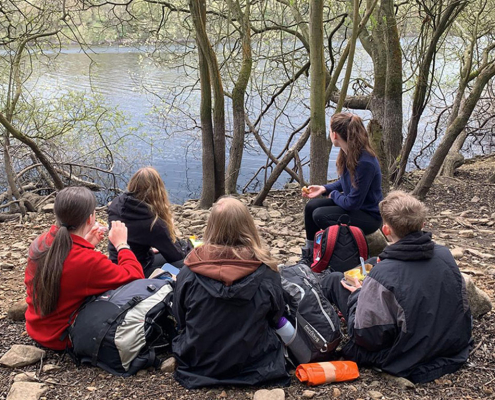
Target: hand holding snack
{"x":95,"y":235}
{"x":118,"y":233}
{"x":313,"y":191}
{"x":352,"y":286}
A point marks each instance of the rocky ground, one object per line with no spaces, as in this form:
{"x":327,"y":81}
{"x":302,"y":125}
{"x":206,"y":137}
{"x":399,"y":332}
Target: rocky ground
{"x":462,"y":217}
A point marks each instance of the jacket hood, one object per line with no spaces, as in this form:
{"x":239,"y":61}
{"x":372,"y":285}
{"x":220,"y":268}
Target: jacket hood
{"x":128,"y":207}
{"x":415,"y":246}
{"x":226,"y":274}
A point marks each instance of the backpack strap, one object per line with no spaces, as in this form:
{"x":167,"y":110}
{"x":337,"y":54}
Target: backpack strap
{"x":101,"y":335}
{"x":361,"y":242}
{"x":322,"y":264}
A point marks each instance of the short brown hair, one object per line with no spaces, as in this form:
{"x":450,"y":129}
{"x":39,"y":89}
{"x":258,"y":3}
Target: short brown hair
{"x":403,"y":213}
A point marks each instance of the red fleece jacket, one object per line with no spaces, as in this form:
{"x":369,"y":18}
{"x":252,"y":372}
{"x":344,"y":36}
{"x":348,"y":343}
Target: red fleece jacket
{"x":86,"y":272}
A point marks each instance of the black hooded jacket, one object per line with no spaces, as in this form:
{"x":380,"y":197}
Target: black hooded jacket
{"x":141,"y":237}
{"x":411,"y":317}
{"x":226,"y":334}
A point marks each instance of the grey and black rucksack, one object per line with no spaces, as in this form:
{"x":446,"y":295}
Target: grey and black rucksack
{"x":317,"y":325}
{"x":122,"y":330}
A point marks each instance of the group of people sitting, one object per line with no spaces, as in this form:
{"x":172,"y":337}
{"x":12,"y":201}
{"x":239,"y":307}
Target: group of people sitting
{"x":410,"y":317}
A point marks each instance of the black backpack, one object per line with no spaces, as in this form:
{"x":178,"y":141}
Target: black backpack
{"x":317,"y":325}
{"x":339,"y":247}
{"x":122,"y":330}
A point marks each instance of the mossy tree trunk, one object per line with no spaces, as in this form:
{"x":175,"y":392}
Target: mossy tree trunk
{"x":319,"y":142}
{"x":208,"y":57}
{"x":238,"y":95}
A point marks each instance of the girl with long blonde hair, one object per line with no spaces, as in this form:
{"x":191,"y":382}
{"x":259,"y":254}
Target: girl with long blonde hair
{"x":147,"y":212}
{"x":358,"y":190}
{"x":228,"y":300}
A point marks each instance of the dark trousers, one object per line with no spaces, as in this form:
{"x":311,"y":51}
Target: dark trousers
{"x":335,"y":292}
{"x":322,"y":213}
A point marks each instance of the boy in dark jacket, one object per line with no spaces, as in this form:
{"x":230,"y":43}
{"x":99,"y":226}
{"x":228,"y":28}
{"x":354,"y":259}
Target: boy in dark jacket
{"x":411,"y":316}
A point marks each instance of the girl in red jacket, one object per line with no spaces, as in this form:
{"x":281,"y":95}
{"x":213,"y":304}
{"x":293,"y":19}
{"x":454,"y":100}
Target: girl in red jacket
{"x":64,"y":268}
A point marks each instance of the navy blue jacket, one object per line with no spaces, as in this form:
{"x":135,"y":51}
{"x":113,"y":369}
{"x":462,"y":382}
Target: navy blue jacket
{"x":368,"y":191}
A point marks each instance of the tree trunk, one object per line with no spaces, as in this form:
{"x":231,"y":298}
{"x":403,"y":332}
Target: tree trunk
{"x":36,"y":150}
{"x":453,"y":131}
{"x":319,"y":143}
{"x":375,"y":132}
{"x":454,"y":159}
{"x":9,"y":171}
{"x":237,"y":146}
{"x":392,"y":119}
{"x":198,"y":12}
{"x":422,"y":84}
{"x":208,"y":157}
{"x":258,"y":201}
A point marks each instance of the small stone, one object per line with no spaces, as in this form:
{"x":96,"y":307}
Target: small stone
{"x":403,"y":383}
{"x":295,"y":250}
{"x":91,"y":388}
{"x":375,"y":395}
{"x":309,"y":394}
{"x":142,"y":372}
{"x":48,"y":208}
{"x":168,"y":365}
{"x":265,"y":394}
{"x":336,"y":392}
{"x":457,"y":252}
{"x":478,"y":300}
{"x":25,"y":377}
{"x":21,"y":355}
{"x":475,"y":199}
{"x":467,"y":233}
{"x":492,"y":216}
{"x":446,"y":212}
{"x":26,"y":391}
{"x":374,"y":384}
{"x":48,"y":368}
{"x":275,"y":214}
{"x":6,"y":266}
{"x":352,"y":388}
{"x":223,"y":395}
{"x":17,"y":311}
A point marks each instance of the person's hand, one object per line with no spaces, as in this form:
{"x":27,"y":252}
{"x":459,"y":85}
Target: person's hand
{"x":118,"y":233}
{"x":155,"y":251}
{"x":314,"y":191}
{"x":95,"y":235}
{"x":351,"y":288}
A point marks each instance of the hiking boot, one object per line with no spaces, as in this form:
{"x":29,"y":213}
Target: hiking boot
{"x":307,"y":257}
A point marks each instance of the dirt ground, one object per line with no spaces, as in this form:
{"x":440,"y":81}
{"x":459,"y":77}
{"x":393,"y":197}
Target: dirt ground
{"x":463,"y":203}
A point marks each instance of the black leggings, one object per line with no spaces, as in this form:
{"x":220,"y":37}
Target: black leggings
{"x":322,"y":213}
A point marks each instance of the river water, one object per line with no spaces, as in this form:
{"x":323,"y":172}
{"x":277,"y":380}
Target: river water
{"x":167,"y":139}
{"x":165,"y":118}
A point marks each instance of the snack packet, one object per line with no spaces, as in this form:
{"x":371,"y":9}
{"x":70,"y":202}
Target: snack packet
{"x":195,"y":242}
{"x":102,"y":225}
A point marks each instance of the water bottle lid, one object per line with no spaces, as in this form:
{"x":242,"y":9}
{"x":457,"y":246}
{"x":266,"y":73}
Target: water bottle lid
{"x":281,"y":322}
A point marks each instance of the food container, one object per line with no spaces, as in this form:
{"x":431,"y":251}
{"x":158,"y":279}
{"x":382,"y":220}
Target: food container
{"x":357,"y":273}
